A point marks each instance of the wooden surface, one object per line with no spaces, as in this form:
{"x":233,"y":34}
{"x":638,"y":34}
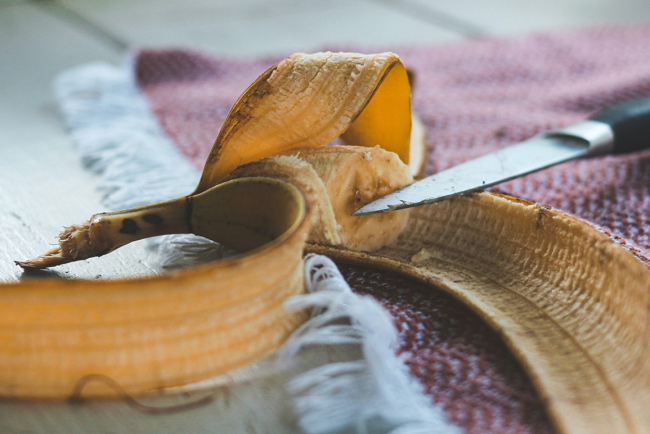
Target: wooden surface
{"x":44,"y":186}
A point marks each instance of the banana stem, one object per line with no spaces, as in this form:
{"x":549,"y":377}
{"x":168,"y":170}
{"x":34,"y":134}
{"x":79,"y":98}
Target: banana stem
{"x":106,"y":232}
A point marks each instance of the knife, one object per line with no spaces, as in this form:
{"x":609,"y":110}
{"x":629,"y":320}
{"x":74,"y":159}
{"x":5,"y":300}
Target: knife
{"x":619,"y":129}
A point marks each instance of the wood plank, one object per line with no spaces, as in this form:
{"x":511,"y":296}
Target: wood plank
{"x":256,"y":27}
{"x":526,"y":16}
{"x":43,"y":184}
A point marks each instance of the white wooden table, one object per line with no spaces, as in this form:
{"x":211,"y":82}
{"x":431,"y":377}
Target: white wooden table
{"x":43,"y":186}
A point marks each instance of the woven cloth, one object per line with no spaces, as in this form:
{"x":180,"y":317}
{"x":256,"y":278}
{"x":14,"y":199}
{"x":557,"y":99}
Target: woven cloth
{"x":474,"y":97}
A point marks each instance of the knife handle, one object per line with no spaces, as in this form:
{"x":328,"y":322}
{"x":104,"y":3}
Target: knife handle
{"x":630,"y":123}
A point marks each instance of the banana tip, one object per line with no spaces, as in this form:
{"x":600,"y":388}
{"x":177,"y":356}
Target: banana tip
{"x":28,"y":265}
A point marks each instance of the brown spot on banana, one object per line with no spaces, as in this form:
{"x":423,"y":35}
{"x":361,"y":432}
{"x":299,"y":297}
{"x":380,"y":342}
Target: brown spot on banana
{"x":129,"y":226}
{"x":242,"y":214}
{"x":106,"y":232}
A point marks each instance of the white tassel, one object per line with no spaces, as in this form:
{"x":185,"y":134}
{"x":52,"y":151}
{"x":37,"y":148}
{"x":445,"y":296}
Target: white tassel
{"x":118,"y":137}
{"x":180,"y":251}
{"x":373,"y":394}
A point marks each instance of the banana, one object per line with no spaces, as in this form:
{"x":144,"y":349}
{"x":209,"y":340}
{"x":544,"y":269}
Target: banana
{"x":163,"y":331}
{"x":301,"y":103}
{"x":105,"y":232}
{"x":242,"y":214}
{"x":353,"y":177}
{"x":301,"y":174}
{"x":343,"y":178}
{"x":570,"y":303}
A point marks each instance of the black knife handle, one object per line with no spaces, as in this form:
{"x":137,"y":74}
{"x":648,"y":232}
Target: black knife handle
{"x":630,"y":122}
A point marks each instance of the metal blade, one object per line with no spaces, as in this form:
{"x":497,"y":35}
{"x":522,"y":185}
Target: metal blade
{"x":508,"y":163}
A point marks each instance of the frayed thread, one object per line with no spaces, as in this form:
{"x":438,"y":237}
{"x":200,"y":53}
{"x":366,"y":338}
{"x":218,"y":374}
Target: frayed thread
{"x":373,"y":394}
{"x":186,"y":250}
{"x":112,"y":127}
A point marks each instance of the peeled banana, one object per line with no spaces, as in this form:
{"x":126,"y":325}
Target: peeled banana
{"x":301,"y":103}
{"x":344,"y":178}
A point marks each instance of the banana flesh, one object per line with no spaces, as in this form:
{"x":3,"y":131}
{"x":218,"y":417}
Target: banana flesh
{"x":355,"y":176}
{"x":343,"y":178}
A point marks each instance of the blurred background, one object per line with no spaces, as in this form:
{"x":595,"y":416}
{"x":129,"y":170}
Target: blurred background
{"x":43,"y":184}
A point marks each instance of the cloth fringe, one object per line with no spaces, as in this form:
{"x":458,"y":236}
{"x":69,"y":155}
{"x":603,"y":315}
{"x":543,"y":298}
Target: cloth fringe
{"x":119,"y":138}
{"x":375,"y":394}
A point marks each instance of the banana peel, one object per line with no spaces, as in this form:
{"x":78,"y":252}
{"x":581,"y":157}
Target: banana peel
{"x":571,"y":304}
{"x":152,"y":333}
{"x":306,"y":101}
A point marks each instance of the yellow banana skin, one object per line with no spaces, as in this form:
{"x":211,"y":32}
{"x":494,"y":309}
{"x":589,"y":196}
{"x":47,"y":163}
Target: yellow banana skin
{"x":152,"y":333}
{"x":306,"y":101}
{"x":241,"y":213}
{"x":570,"y":303}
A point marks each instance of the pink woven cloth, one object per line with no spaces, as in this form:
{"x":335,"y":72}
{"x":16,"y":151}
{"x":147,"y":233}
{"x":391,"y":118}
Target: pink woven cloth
{"x":474,"y":97}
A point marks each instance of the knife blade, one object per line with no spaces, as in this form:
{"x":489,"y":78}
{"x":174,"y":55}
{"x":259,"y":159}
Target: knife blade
{"x":620,"y":129}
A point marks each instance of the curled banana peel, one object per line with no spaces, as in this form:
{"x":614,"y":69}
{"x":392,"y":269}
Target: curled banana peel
{"x":302,"y":103}
{"x":572,"y":305}
{"x":306,"y":101}
{"x":148,"y":334}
